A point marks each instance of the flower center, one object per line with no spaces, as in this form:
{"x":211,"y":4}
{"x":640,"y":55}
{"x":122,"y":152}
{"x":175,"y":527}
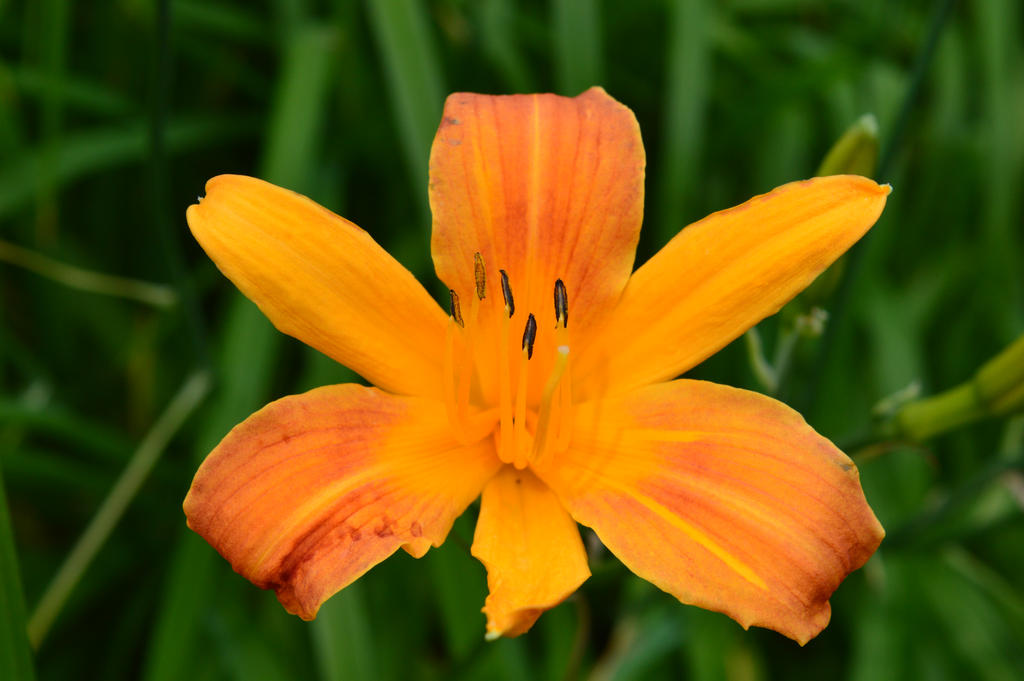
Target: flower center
{"x":524,"y":433}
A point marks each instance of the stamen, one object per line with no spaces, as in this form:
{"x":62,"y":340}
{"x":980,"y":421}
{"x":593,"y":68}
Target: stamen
{"x":455,"y":310}
{"x":468,"y":360}
{"x":479,"y":275}
{"x":465,"y":429}
{"x":561,"y":304}
{"x":506,"y":292}
{"x":505,"y":452}
{"x":564,"y":411}
{"x":563,"y":396}
{"x":448,"y":370}
{"x":529,"y":336}
{"x":521,"y":458}
{"x":456,"y":387}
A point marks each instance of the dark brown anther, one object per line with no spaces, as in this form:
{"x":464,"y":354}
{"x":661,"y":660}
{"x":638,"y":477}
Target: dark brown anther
{"x":506,"y":292}
{"x":561,"y":304}
{"x":480,"y":276}
{"x":455,"y":310}
{"x":529,"y":336}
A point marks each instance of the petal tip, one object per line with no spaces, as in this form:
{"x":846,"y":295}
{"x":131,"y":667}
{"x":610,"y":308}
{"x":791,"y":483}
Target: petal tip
{"x":870,"y":186}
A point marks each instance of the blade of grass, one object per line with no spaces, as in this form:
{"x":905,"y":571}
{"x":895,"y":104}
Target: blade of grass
{"x":57,"y":422}
{"x":240,"y":644}
{"x":90,"y":152}
{"x":246,"y":362}
{"x":406,"y":47}
{"x":188,"y":397}
{"x":75,"y":92}
{"x":169,"y":239}
{"x":342,"y":638}
{"x":51,"y":42}
{"x":250,"y":347}
{"x":497,"y":39}
{"x":227,"y":22}
{"x":686,"y":104}
{"x":458,"y":585}
{"x":300,"y":105}
{"x":577,"y":45}
{"x":996,"y":23}
{"x":15,"y":654}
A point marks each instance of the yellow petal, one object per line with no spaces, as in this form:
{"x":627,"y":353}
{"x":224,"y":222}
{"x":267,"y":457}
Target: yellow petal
{"x":531,"y":548}
{"x":543,"y":187}
{"x":313,"y":490}
{"x":324,"y":281}
{"x":720,"y":276}
{"x":722,"y":497}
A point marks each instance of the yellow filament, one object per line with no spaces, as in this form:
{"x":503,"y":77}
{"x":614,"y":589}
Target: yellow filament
{"x":468,"y":360}
{"x":540,"y":442}
{"x":449,"y":375}
{"x":505,"y":452}
{"x":564,"y":414}
{"x":520,"y":459}
{"x":456,"y":418}
{"x":480,"y":425}
{"x":564,"y":420}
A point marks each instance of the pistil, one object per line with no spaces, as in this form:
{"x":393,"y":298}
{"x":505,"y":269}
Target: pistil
{"x":542,"y":438}
{"x":521,"y":458}
{"x":554,"y":387}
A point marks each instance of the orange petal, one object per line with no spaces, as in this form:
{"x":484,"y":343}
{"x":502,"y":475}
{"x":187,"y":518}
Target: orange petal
{"x":324,"y":281}
{"x":722,"y":497}
{"x":720,"y":276}
{"x":531,"y":548}
{"x":313,"y":490}
{"x":544,"y":187}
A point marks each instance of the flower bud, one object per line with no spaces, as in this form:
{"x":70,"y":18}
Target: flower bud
{"x":996,"y":389}
{"x":856,"y":152}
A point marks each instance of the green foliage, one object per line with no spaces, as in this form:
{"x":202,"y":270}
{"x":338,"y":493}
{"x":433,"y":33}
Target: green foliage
{"x":113,"y":115}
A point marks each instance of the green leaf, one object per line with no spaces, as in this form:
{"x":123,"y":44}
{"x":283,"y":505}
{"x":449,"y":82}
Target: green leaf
{"x":246,"y":364}
{"x":686,"y":101}
{"x":83,"y":153}
{"x":299,"y":106}
{"x":15,"y":655}
{"x":406,"y":47}
{"x":342,"y":638}
{"x":576,"y":26}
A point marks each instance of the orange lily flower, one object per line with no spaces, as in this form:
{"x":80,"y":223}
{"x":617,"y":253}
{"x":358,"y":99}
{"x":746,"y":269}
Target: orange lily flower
{"x":547,"y":391}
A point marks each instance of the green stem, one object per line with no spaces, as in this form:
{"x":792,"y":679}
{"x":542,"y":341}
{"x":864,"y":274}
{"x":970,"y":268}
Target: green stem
{"x":113,"y":508}
{"x":763,"y":371}
{"x":86,"y":280}
{"x":784,"y":356}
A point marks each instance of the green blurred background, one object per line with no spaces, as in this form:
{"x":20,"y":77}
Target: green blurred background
{"x":126,"y":355}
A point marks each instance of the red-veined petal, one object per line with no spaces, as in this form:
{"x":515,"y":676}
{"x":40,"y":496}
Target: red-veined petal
{"x":545,"y":188}
{"x":313,"y":490}
{"x":725,"y":498}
